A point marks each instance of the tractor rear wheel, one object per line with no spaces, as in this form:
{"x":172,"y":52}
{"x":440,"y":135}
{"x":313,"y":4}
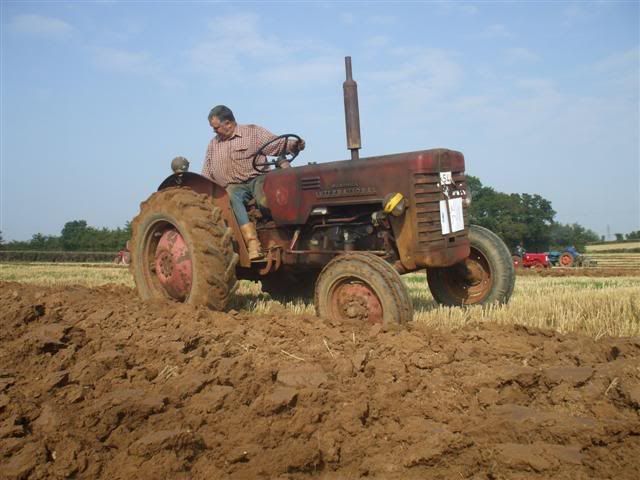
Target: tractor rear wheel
{"x":487,"y":275}
{"x":362,"y":287}
{"x":182,"y":250}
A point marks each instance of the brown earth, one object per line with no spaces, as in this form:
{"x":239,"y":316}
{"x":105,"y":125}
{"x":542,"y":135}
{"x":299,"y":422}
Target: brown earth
{"x":97,"y":384}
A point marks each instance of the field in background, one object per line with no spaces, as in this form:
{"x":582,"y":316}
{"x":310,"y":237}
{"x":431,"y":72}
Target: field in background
{"x":596,"y":306}
{"x":612,"y":246}
{"x":616,"y":260}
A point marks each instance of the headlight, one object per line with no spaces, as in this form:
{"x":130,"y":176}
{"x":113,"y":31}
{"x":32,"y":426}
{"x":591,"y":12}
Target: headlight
{"x":179,"y":165}
{"x":394,"y":204}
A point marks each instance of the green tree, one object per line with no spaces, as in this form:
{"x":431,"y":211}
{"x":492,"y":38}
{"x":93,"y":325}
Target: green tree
{"x":518,"y":219}
{"x":565,"y":235}
{"x":635,"y":235}
{"x":72,"y":234}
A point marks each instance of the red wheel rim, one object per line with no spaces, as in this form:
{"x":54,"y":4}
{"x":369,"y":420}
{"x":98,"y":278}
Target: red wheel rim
{"x":171,"y":264}
{"x":351,"y":299}
{"x":565,"y":260}
{"x":470,"y":281}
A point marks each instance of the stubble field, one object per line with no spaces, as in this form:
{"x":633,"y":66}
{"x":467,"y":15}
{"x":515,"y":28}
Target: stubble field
{"x":95,"y":383}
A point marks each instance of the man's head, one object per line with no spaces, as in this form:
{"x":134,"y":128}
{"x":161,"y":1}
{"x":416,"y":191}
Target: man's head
{"x":222,"y":121}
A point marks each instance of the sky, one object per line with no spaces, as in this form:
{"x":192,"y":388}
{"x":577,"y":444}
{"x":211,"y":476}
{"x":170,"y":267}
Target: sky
{"x":98,"y":97}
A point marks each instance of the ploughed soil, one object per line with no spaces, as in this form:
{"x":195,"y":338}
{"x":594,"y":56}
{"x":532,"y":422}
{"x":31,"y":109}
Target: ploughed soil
{"x":97,"y":384}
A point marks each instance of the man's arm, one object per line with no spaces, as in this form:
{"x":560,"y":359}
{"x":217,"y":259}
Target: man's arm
{"x":207,"y":170}
{"x":264,"y":135}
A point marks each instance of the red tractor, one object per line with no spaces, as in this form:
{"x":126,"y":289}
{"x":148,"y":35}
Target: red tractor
{"x":124,"y":256}
{"x":537,"y":261}
{"x":341,"y":231}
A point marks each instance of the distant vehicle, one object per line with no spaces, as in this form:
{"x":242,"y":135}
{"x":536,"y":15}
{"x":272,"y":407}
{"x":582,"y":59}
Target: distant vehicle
{"x":538,"y":261}
{"x":570,"y":257}
{"x":123,"y":257}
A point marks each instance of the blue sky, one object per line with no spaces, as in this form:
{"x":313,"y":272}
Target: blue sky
{"x":98,"y":97}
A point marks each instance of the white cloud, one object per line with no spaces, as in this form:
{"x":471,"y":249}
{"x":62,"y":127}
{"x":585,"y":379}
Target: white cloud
{"x":234,"y":42}
{"x":629,"y":59}
{"x":232,"y":37}
{"x":347,"y":18}
{"x":305,"y":72}
{"x":520,"y":54}
{"x":448,"y":6}
{"x":473,"y":102}
{"x":538,"y":85}
{"x":132,"y":63}
{"x":497,"y":30}
{"x":382,"y":20}
{"x":377,"y":41}
{"x":123,"y":60}
{"x":33,"y":24}
{"x":422,"y":76}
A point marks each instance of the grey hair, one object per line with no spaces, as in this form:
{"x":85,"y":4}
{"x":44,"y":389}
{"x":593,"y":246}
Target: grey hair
{"x":222,"y":113}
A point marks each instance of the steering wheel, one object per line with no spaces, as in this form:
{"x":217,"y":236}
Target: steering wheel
{"x":263,"y":166}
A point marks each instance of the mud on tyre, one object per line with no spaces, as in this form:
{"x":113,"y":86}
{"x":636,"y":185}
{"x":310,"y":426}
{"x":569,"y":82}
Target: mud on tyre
{"x":487,"y":276}
{"x":182,"y":250}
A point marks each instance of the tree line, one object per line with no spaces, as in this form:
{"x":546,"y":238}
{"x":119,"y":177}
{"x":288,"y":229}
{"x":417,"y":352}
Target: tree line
{"x":76,"y":236}
{"x":518,"y":218}
{"x":528,"y":220}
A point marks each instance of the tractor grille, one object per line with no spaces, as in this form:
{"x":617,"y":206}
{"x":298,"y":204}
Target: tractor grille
{"x":427,"y":195}
{"x":310,"y":183}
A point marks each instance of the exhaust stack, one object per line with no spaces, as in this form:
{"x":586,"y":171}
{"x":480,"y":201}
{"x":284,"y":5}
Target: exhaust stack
{"x":351,"y":112}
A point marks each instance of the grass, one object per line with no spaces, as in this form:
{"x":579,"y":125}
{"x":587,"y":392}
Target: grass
{"x":596,"y":306}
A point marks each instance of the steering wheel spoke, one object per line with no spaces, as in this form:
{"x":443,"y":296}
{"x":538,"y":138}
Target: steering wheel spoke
{"x":261,"y":161}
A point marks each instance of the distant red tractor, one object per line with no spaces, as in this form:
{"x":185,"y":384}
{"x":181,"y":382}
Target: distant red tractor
{"x":538,"y":261}
{"x":124,"y":256}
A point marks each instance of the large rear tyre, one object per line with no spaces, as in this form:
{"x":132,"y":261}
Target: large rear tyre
{"x":362,"y":287}
{"x":182,"y":250}
{"x":487,"y":276}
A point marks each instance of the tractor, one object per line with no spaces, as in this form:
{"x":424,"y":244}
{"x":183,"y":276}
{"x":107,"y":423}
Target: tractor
{"x":570,"y":257}
{"x":342,"y":232}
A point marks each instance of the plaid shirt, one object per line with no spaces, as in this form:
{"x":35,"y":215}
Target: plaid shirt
{"x":229,"y":161}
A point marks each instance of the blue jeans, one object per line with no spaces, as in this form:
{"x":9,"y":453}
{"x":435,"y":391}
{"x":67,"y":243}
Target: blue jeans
{"x":239,"y":193}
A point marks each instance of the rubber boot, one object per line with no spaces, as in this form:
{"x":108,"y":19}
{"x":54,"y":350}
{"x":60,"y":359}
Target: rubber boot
{"x":251,"y":239}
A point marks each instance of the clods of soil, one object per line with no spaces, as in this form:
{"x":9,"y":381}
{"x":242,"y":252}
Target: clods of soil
{"x":95,"y":383}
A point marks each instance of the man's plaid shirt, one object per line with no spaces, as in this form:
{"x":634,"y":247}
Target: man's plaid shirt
{"x":229,"y":161}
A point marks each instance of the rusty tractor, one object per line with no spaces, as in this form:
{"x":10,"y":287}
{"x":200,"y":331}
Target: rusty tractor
{"x":343,"y":232}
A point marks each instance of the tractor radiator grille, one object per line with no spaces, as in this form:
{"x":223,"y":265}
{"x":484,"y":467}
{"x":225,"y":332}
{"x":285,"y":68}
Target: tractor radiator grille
{"x":427,"y":195}
{"x":310,"y":183}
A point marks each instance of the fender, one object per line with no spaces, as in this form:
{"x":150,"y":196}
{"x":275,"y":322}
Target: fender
{"x":201,"y":184}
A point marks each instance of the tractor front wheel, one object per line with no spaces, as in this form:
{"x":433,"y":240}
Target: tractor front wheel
{"x":182,"y":250}
{"x":486,"y":276}
{"x":362,"y":287}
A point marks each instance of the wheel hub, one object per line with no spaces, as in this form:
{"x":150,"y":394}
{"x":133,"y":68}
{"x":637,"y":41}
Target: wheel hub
{"x":173,"y":266}
{"x":356,"y":301}
{"x":475,"y":273}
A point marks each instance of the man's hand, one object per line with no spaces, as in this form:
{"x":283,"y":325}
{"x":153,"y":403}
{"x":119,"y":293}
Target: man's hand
{"x":298,"y":146}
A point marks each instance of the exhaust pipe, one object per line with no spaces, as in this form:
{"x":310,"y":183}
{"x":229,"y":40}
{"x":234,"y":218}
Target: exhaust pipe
{"x":351,"y":112}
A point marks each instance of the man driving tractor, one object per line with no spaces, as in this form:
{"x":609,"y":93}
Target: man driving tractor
{"x":229,"y":163}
